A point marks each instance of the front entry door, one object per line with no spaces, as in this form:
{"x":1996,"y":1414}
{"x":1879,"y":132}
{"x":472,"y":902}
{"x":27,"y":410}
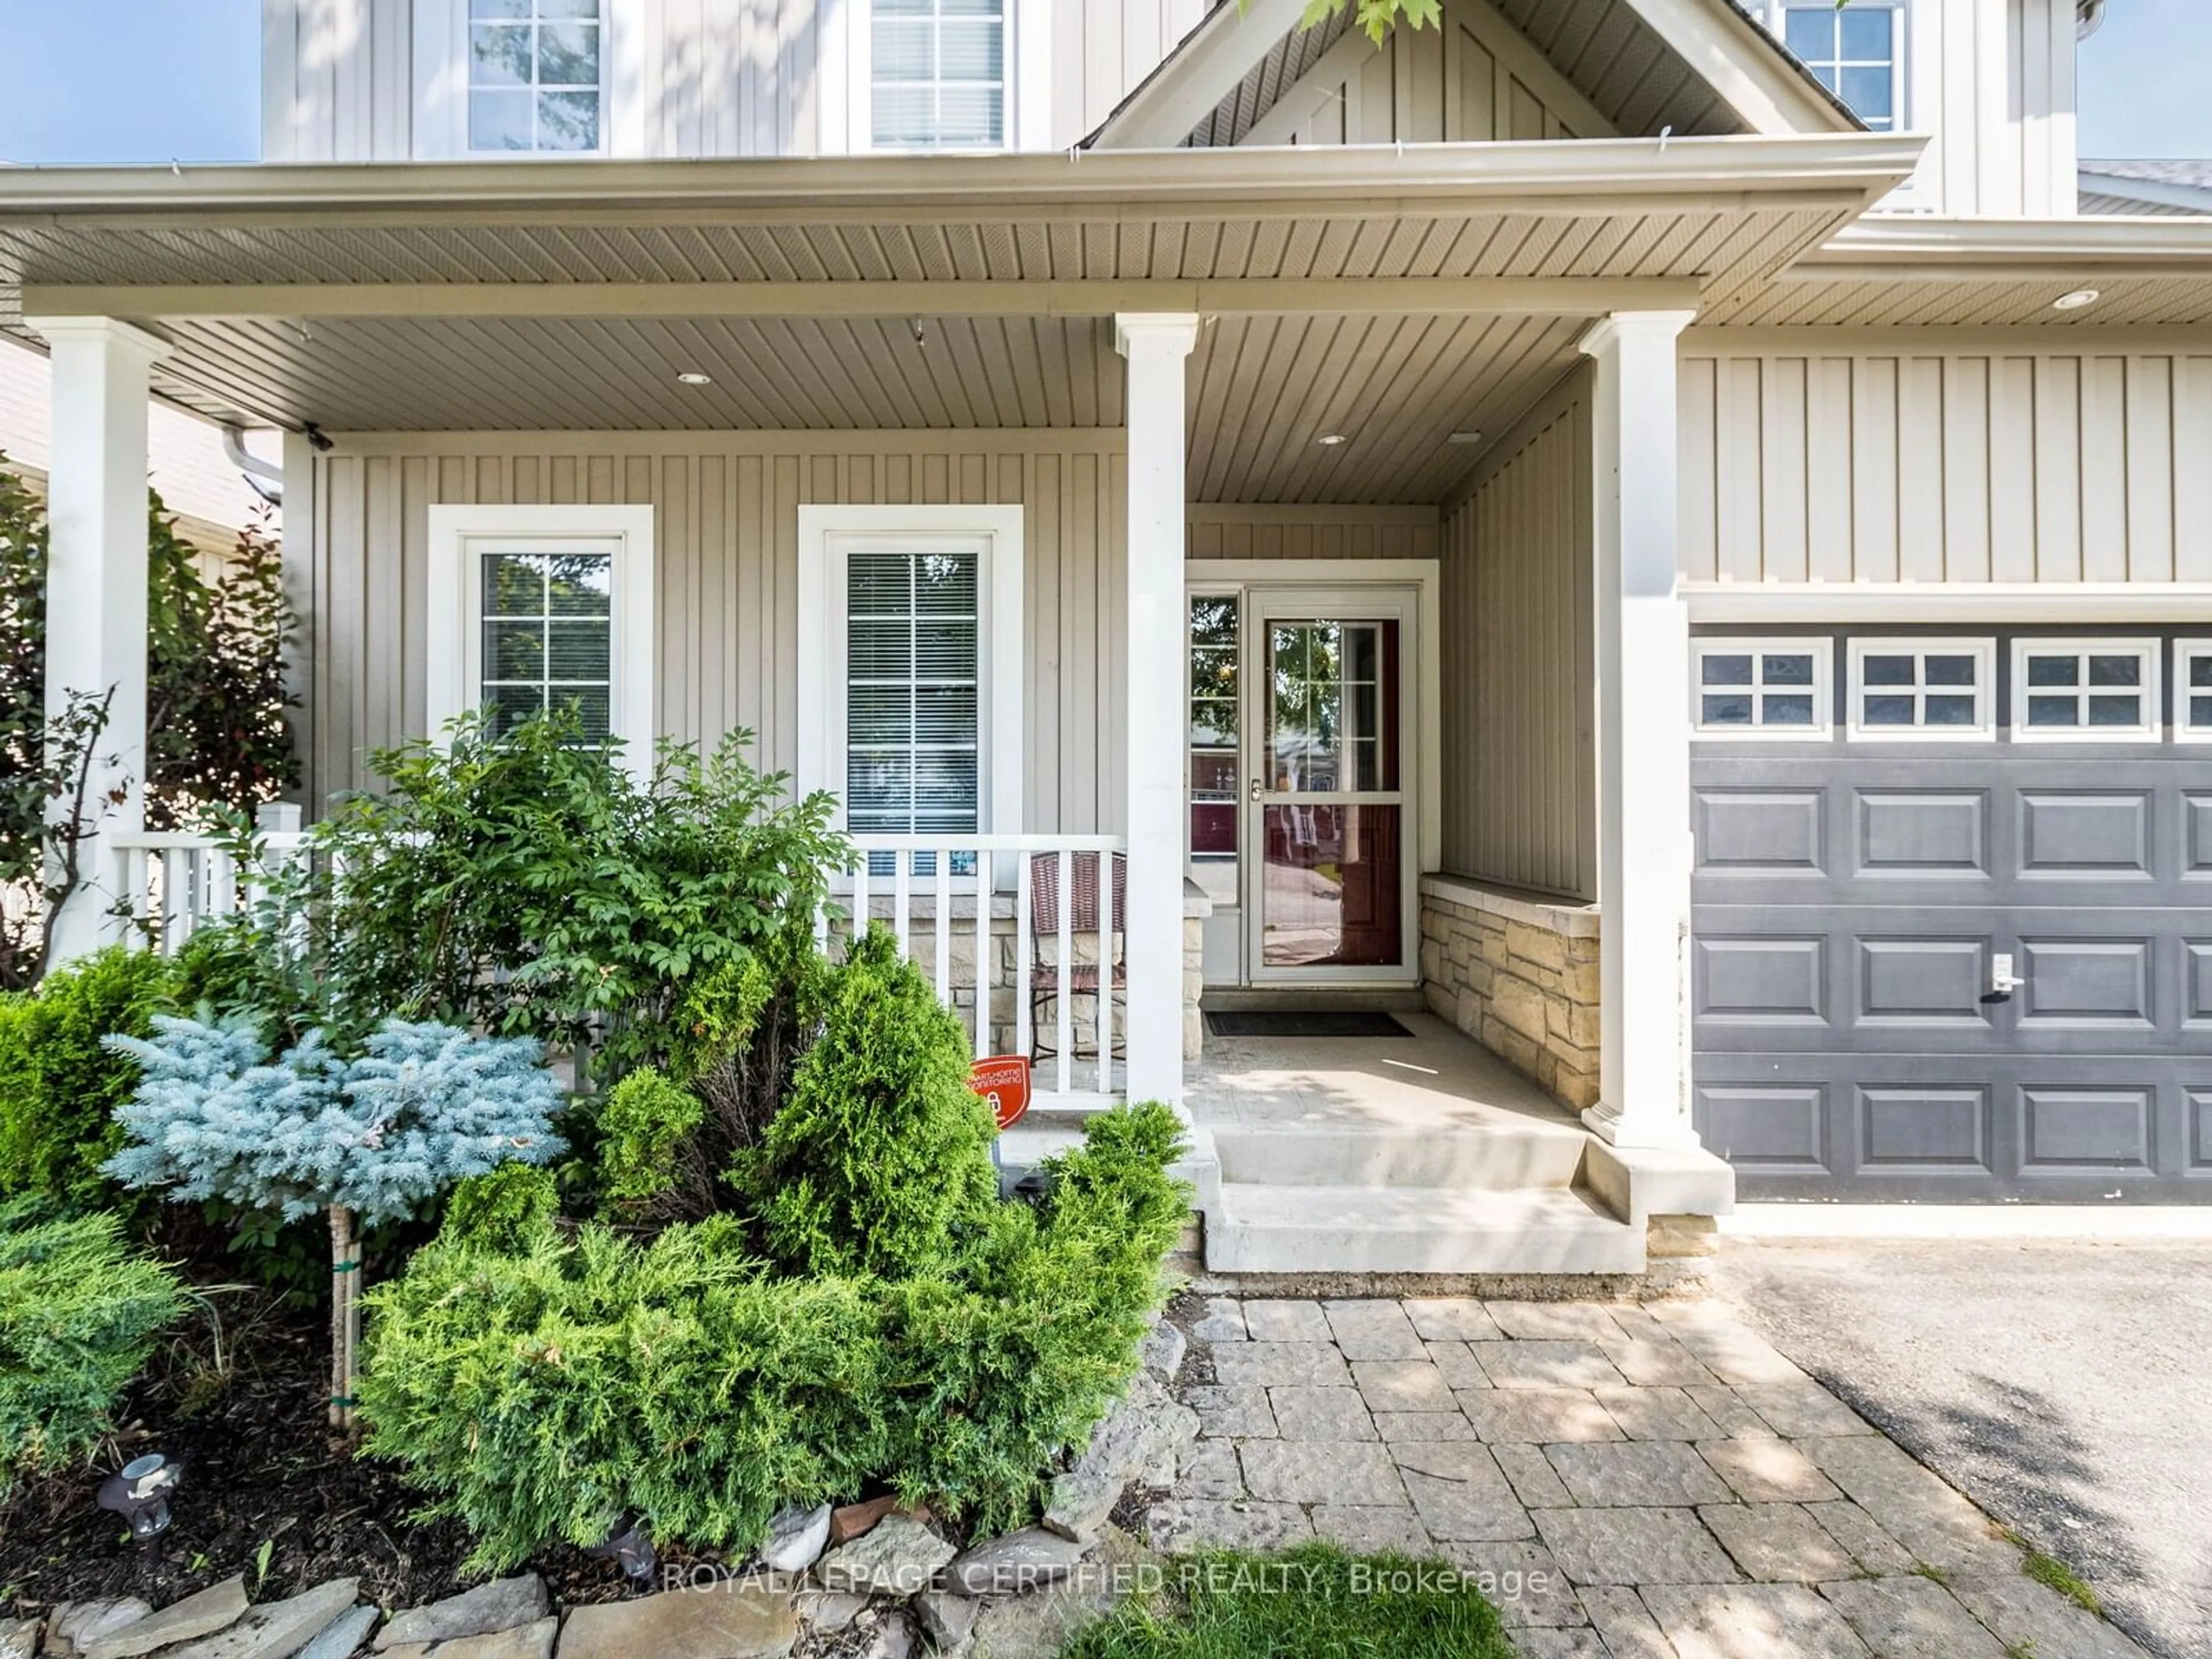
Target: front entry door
{"x":1327,"y":894}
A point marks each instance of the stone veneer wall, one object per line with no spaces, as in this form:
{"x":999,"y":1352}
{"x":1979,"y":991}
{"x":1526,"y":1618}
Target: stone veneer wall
{"x":1519,"y":974}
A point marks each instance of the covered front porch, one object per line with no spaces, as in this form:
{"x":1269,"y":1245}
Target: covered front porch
{"x":925,"y":488}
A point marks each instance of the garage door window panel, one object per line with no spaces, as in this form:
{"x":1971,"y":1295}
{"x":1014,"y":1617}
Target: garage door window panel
{"x":1761,"y":688}
{"x":2085,"y":691}
{"x":1922,"y":690}
{"x":2192,"y":696}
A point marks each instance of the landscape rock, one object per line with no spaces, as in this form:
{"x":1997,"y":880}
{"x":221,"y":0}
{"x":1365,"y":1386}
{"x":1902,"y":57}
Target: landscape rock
{"x":828,"y":1609}
{"x":1148,"y":1425}
{"x":1080,"y":1504}
{"x":19,"y":1639}
{"x":796,"y":1539}
{"x":343,"y":1635}
{"x":1163,"y":1350}
{"x":1016,"y":1565}
{"x":1037,"y":1627}
{"x":531,"y":1641}
{"x":500,"y":1605}
{"x":948,"y":1619}
{"x":893,"y":1638}
{"x":214,"y":1608}
{"x":275,"y":1629}
{"x":73,"y":1624}
{"x":901,"y":1557}
{"x":738,"y":1620}
{"x":855,"y":1520}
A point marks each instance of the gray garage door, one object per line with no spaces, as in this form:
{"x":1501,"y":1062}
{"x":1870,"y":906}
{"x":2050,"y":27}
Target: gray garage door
{"x":1889,"y":828}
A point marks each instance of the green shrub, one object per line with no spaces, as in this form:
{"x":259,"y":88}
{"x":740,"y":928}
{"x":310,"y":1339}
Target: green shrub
{"x":503,"y":1210}
{"x":538,"y":1393}
{"x":59,"y":1086}
{"x":881,"y":1152}
{"x":539,"y":1385}
{"x":78,"y":1315}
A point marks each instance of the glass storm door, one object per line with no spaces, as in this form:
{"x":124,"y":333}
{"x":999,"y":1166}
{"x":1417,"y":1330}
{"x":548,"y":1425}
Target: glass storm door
{"x":1326,"y":889}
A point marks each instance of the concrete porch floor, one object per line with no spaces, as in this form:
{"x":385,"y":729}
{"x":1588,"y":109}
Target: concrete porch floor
{"x":1435,"y":1079}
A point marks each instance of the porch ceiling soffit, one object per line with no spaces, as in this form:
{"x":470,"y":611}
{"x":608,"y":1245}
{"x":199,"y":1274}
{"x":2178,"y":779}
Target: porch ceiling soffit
{"x":1440,"y":306}
{"x":1953,"y":273}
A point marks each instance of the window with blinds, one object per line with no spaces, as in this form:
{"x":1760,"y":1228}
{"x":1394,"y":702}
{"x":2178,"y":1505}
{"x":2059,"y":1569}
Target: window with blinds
{"x":549,"y":638}
{"x":534,"y":76}
{"x":937,"y":76}
{"x":913,"y":693}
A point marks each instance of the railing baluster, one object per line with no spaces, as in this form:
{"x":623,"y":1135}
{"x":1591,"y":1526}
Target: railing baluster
{"x":1025,"y":960}
{"x":860,"y":923}
{"x":982,"y":953}
{"x":1064,"y":1059}
{"x":902,"y":901}
{"x":942,"y":858}
{"x":175,"y":924}
{"x":1105,"y":972}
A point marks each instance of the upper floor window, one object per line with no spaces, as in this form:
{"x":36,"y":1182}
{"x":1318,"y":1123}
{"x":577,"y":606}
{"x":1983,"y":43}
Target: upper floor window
{"x":938,"y":75}
{"x":534,"y":75}
{"x":1856,"y":51}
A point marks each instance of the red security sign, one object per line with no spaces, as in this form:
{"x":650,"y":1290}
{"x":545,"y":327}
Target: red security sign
{"x":1003,"y":1080}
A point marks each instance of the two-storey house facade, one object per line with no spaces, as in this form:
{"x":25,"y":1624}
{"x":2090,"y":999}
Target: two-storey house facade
{"x":1657,"y":530}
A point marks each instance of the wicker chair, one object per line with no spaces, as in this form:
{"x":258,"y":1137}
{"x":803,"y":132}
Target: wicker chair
{"x":1083,"y":977}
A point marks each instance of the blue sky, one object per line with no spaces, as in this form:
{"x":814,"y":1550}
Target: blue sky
{"x":163,"y":79}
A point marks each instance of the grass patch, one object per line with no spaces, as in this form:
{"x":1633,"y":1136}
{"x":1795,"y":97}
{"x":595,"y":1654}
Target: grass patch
{"x":1933,"y":1574}
{"x":1314,"y":1601}
{"x":2054,"y":1574}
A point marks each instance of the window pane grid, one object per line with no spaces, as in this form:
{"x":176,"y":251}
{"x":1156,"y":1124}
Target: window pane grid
{"x":1852,"y":52}
{"x":1770,"y":686}
{"x":1928,"y":687}
{"x":2192,"y":700}
{"x":937,"y":74}
{"x":914,"y":733}
{"x":548,"y":638}
{"x":534,"y":75}
{"x":2099,"y":690}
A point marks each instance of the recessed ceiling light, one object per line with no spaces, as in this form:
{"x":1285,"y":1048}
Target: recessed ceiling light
{"x":1332,"y":438}
{"x":2074,"y":301}
{"x":1464,"y":438}
{"x":693,"y":377}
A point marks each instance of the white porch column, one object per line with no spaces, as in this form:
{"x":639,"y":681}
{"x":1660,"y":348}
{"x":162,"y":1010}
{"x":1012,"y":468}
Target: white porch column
{"x":96,"y":583}
{"x":1156,"y":346}
{"x":1643,"y":740}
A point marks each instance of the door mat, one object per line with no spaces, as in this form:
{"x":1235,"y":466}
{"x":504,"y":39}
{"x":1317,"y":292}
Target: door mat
{"x":1322,"y":1022}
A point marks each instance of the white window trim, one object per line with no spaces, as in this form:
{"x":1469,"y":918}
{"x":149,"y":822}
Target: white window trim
{"x":1823,"y":653}
{"x":846,"y":76}
{"x":454,"y":639}
{"x":826,"y":535}
{"x":2150,"y":730}
{"x":441,"y":86}
{"x":2186,"y":652}
{"x":1982,"y":648}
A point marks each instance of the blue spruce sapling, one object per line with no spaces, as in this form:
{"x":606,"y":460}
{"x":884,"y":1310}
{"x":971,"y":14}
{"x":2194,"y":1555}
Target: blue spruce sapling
{"x":366,"y":1139}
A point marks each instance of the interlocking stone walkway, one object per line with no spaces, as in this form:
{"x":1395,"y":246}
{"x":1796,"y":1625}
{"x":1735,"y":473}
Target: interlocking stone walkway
{"x":1625,"y":1482}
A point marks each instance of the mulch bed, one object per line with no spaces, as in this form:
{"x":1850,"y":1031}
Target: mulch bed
{"x":260,"y":1467}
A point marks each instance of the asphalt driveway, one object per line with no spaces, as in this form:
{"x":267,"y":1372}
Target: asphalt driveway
{"x":2066,"y":1387}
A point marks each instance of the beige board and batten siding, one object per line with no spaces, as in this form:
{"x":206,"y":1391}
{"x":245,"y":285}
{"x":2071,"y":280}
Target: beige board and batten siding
{"x":1982,"y":465}
{"x":726,"y":513}
{"x":1475,"y":79}
{"x":1519,"y":761}
{"x":1993,"y":82}
{"x":1231,"y":531}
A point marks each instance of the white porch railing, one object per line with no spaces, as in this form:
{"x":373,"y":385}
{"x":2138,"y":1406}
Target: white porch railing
{"x":965,"y":909}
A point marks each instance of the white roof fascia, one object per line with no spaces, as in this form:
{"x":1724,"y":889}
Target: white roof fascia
{"x":1917,"y":249}
{"x":1385,"y":179}
{"x":1748,"y":67}
{"x":1193,"y":80}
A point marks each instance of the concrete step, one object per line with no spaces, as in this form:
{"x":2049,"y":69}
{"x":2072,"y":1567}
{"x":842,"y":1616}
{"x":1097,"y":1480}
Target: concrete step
{"x":1416,"y":1230}
{"x":1484,"y":1157}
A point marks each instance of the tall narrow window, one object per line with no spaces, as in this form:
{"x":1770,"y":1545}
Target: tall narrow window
{"x":534,"y":75}
{"x":938,"y":77}
{"x":913,"y":700}
{"x":1216,"y":734}
{"x":1856,"y":51}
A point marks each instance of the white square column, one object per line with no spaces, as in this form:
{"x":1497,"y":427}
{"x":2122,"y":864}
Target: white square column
{"x":1156,"y":346}
{"x":1643,"y":740}
{"x":96,"y":513}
